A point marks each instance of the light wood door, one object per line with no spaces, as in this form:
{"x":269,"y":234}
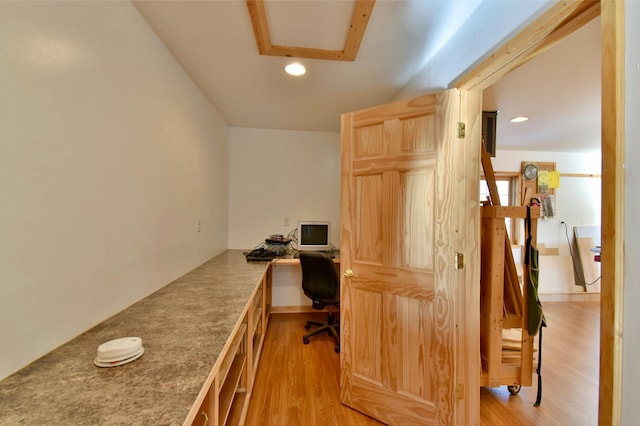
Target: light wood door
{"x":404,"y":216}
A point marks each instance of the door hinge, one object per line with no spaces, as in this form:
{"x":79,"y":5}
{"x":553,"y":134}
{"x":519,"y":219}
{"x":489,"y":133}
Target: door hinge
{"x":458,"y":261}
{"x":461,"y":130}
{"x":460,"y":391}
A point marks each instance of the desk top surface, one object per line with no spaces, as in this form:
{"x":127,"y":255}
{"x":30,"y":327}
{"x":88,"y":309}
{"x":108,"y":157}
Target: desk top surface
{"x":183,"y":327}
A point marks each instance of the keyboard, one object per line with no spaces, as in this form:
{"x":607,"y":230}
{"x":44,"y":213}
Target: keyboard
{"x":260,"y":254}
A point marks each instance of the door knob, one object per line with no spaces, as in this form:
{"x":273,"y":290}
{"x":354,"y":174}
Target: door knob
{"x":349,"y":274}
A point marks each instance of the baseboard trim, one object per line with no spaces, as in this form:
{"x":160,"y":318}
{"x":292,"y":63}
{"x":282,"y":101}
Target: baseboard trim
{"x":569,"y":297}
{"x":296,"y":309}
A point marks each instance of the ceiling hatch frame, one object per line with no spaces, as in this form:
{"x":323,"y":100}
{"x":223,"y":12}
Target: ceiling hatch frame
{"x":359,"y":21}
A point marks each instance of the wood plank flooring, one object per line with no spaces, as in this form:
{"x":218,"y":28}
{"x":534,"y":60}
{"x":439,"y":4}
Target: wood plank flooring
{"x":570,"y":367}
{"x":299,"y":384}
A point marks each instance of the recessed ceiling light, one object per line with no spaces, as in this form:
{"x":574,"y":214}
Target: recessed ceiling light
{"x":295,"y":69}
{"x":519,"y":119}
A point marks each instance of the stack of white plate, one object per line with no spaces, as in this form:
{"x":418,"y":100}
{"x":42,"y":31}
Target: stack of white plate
{"x":119,"y":351}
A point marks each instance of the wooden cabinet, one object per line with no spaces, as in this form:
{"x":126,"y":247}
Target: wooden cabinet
{"x":259,"y":319}
{"x":227,"y":399}
{"x":232,"y":378}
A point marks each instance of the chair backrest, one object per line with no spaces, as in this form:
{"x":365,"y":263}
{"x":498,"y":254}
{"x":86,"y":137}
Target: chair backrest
{"x":320,"y":280}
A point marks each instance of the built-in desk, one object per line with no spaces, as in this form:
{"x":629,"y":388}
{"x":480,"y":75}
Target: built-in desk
{"x":202,"y":336}
{"x":293,"y":260}
{"x":288,"y":296}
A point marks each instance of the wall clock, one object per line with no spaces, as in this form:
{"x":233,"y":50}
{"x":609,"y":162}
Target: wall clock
{"x":530,"y":171}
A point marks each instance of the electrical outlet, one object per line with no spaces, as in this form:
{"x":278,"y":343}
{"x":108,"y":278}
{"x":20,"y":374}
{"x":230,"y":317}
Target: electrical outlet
{"x":198,"y":225}
{"x":287,"y":221}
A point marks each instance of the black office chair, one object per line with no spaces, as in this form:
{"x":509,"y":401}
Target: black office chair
{"x":321,"y":284}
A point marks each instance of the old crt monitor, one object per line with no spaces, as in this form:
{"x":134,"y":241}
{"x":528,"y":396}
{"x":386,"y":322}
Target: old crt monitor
{"x":314,"y":235}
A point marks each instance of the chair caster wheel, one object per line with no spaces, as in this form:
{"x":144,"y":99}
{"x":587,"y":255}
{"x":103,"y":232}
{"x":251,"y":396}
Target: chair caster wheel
{"x":305,"y":340}
{"x":307,"y":326}
{"x":514,"y":389}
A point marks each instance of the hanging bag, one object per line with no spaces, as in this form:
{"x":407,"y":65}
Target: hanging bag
{"x":535,"y":316}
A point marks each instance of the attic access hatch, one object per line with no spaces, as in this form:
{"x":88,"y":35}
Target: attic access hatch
{"x":355,"y":32}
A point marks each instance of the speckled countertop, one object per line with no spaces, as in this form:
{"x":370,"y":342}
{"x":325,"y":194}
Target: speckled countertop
{"x":183,"y":327}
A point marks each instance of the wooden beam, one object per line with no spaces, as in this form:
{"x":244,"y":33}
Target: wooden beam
{"x":258,"y":16}
{"x":581,"y":175}
{"x":612,"y":240}
{"x":359,"y":20}
{"x":586,"y":13}
{"x":555,"y":24}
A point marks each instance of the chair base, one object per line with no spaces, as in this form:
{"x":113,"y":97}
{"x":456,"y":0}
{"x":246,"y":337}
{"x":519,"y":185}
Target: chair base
{"x":332,"y":327}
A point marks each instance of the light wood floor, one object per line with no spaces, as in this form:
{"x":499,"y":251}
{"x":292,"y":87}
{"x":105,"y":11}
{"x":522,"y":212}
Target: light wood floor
{"x":299,"y":384}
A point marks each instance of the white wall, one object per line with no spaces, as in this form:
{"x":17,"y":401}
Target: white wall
{"x":278,"y":174}
{"x":578,"y":202}
{"x":577,"y":198}
{"x":109,"y":156}
{"x":631,"y":295}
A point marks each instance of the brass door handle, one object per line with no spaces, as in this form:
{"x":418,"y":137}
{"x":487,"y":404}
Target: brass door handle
{"x":349,"y":274}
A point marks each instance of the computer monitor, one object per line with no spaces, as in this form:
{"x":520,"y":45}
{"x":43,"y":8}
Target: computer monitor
{"x":314,"y":235}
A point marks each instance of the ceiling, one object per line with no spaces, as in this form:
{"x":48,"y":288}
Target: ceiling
{"x":214,"y":41}
{"x":559,"y":91}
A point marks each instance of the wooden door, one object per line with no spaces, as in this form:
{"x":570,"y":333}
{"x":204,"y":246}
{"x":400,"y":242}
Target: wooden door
{"x":409,"y":334}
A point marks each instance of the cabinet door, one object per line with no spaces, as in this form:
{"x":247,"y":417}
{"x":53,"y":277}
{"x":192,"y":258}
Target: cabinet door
{"x":206,"y":414}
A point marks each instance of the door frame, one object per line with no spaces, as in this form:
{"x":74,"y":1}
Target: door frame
{"x":559,"y":21}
